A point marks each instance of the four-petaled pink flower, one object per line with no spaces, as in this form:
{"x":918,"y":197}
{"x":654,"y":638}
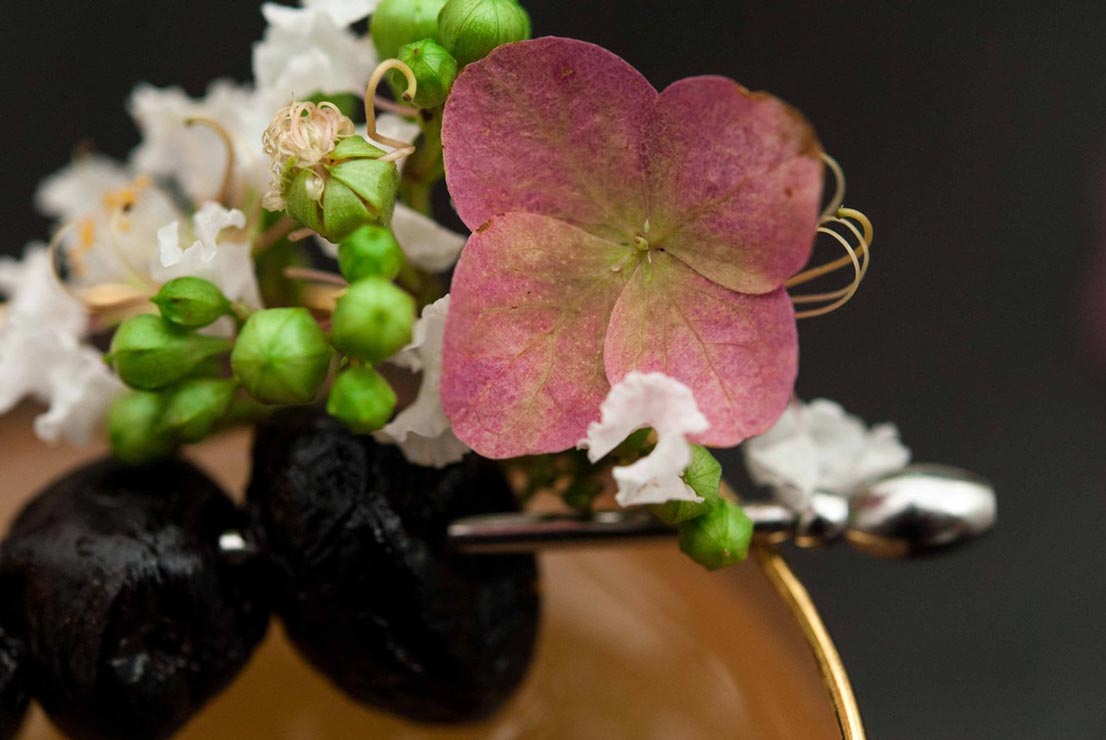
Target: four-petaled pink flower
{"x":617,"y":229}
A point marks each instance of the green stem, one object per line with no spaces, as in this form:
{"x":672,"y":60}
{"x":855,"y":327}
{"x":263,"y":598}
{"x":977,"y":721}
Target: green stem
{"x":424,"y":168}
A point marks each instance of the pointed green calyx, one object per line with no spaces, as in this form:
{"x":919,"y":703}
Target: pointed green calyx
{"x":136,"y":428}
{"x":370,"y":251}
{"x":355,"y":189}
{"x":718,"y":538}
{"x":281,"y":356}
{"x":191,"y":302}
{"x":149,"y":353}
{"x":435,"y":70}
{"x":361,"y":399}
{"x":470,"y":29}
{"x":704,"y":476}
{"x":373,"y":320}
{"x":399,"y":22}
{"x":195,"y":406}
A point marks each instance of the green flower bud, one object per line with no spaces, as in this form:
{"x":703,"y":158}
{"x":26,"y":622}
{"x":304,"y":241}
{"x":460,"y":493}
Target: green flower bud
{"x":470,"y":29}
{"x":704,"y":476}
{"x":718,"y":538}
{"x":357,"y":189}
{"x":435,"y":70}
{"x":399,"y":22}
{"x":370,"y":251}
{"x":373,"y":320}
{"x":191,"y":302}
{"x":362,"y":399}
{"x":281,"y":356}
{"x":136,"y":428}
{"x":150,"y":353}
{"x":195,"y":405}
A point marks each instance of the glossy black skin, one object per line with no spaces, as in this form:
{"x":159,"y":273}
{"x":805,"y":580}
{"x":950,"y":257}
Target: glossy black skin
{"x":13,"y":688}
{"x":131,"y":616}
{"x":367,"y":589}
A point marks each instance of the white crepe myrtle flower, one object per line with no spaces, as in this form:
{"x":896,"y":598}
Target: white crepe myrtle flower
{"x":817,"y":446}
{"x":41,"y":354}
{"x":344,"y":12}
{"x":79,"y":187}
{"x":422,"y":430}
{"x":195,"y":155}
{"x":227,"y":264}
{"x":654,"y":400}
{"x":307,"y":51}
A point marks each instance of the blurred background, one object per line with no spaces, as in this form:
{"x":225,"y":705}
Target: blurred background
{"x":975,"y":138}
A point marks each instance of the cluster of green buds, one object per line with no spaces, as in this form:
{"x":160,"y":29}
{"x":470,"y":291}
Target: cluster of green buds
{"x":467,"y":29}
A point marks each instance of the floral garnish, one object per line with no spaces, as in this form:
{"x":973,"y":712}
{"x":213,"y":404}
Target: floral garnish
{"x":611,"y":236}
{"x":817,"y":446}
{"x":653,"y":400}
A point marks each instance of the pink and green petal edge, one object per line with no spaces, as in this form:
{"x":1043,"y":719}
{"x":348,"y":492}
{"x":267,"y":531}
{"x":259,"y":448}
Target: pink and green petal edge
{"x":522,"y":363}
{"x":738,"y":353}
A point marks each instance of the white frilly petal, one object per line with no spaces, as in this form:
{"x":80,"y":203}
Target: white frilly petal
{"x":228,"y":265}
{"x":343,"y":12}
{"x":422,"y":430}
{"x":654,"y":400}
{"x":819,"y":447}
{"x":78,"y":188}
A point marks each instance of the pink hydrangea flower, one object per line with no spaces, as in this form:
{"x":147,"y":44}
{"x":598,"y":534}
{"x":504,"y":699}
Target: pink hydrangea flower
{"x":617,"y":229}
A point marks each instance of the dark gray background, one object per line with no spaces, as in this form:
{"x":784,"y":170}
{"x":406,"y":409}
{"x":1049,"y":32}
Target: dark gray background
{"x":975,"y":137}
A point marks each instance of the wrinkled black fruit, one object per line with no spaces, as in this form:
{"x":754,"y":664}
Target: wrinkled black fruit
{"x":131,"y":616}
{"x":367,"y":589}
{"x":13,"y":689}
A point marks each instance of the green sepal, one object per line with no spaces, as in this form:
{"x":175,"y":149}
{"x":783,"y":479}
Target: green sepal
{"x":191,"y":302}
{"x":355,"y":147}
{"x":301,"y":205}
{"x":434,"y":68}
{"x":343,"y":211}
{"x":281,"y":356}
{"x":148,"y":352}
{"x":373,"y":320}
{"x":136,"y":428}
{"x":704,"y":476}
{"x":374,"y":181}
{"x":361,"y":399}
{"x":370,"y":251}
{"x":718,"y":538}
{"x":195,"y":406}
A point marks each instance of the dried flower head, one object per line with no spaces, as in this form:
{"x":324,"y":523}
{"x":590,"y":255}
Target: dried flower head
{"x":300,"y":137}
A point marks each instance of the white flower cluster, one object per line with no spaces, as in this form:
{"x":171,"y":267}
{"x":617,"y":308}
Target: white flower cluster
{"x":124,"y":227}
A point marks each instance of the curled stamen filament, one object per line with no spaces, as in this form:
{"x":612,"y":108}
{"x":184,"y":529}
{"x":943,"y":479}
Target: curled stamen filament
{"x":228,"y":144}
{"x":838,"y":189}
{"x":401,"y":149}
{"x":858,"y":257}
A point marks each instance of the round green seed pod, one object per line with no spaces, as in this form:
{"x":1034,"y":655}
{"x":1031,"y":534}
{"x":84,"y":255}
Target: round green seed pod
{"x":718,"y":538}
{"x":373,"y":320}
{"x":150,"y":353}
{"x":136,"y":428}
{"x":194,"y":407}
{"x":399,"y":22}
{"x":435,"y":70}
{"x":191,"y":302}
{"x":361,"y":399}
{"x":470,"y":29}
{"x":281,"y":356}
{"x":370,"y":251}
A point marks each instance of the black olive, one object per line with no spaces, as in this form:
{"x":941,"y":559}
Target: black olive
{"x":13,"y":688}
{"x":368,"y":590}
{"x":132,"y":618}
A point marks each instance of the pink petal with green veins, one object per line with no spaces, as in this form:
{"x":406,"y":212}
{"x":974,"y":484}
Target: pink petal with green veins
{"x":738,"y":353}
{"x":522,"y":363}
{"x":735,"y":183}
{"x":552,"y":126}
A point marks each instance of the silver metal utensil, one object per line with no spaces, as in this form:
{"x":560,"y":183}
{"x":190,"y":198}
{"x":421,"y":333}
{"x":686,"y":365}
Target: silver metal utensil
{"x":920,"y":510}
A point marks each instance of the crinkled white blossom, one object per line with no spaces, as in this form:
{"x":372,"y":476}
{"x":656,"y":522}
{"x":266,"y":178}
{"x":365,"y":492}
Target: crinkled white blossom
{"x":422,"y":430}
{"x":309,"y":50}
{"x":227,"y":264}
{"x":817,"y":446}
{"x":344,"y":12}
{"x":41,"y":354}
{"x":195,"y":156}
{"x":79,"y":187}
{"x":654,"y":400}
